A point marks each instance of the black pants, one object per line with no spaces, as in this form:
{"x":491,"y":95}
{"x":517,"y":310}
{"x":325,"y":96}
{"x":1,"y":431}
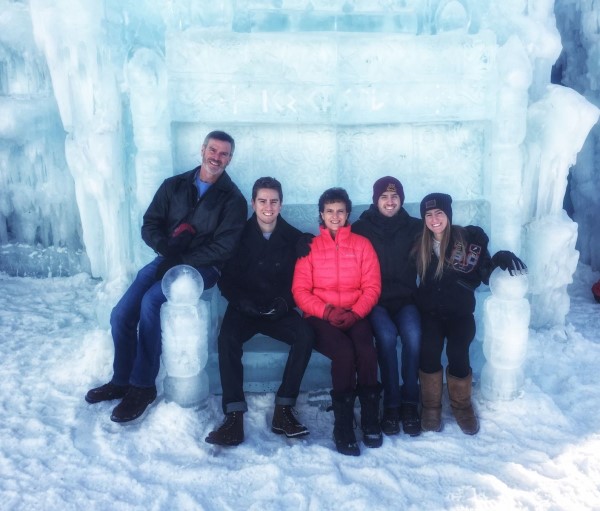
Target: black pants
{"x":458,"y":331}
{"x":237,"y":328}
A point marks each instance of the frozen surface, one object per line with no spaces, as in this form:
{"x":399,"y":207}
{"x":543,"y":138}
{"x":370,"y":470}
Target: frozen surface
{"x":538,"y":451}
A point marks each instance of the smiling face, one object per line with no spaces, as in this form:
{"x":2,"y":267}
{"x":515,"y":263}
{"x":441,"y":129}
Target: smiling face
{"x":334,"y":216}
{"x":389,"y":203}
{"x":216,"y":155}
{"x":436,"y":221}
{"x":267,"y":206}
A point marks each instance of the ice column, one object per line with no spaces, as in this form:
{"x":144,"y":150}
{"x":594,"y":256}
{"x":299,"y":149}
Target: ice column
{"x":506,"y":315}
{"x":184,"y":322}
{"x":558,"y":125}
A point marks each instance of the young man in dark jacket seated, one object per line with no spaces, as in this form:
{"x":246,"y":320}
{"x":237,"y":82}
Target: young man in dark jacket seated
{"x":257,"y":283}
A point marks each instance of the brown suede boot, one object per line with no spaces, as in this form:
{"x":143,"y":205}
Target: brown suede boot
{"x":459,"y":390}
{"x":431,"y":397}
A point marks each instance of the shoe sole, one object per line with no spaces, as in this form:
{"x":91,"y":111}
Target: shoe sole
{"x":279,"y":431}
{"x":211,"y":441}
{"x":94,"y":401}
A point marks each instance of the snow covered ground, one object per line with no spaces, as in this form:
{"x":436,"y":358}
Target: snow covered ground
{"x":59,"y":453}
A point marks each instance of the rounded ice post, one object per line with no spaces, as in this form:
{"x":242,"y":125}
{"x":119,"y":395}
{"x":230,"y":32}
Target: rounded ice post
{"x":506,"y":315}
{"x":184,"y":323}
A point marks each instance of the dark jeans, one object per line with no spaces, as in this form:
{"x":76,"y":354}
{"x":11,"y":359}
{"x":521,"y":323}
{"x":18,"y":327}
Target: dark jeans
{"x":135,"y":325}
{"x":458,"y":331}
{"x":237,"y":328}
{"x":352,"y":353}
{"x":405,"y":322}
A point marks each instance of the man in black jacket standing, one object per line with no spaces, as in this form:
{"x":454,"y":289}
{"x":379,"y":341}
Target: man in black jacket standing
{"x":257,"y":283}
{"x":393,"y":233}
{"x":195,"y":218}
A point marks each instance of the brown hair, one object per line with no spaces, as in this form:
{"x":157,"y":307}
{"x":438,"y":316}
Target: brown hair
{"x":423,"y":249}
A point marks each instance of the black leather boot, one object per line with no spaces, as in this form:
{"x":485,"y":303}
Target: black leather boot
{"x":369,"y":398}
{"x":343,"y":428}
{"x":230,"y":433}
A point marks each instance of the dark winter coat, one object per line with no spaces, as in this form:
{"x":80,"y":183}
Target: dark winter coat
{"x":454,"y":293}
{"x":393,"y":239}
{"x":261,"y":270}
{"x":218,"y":218}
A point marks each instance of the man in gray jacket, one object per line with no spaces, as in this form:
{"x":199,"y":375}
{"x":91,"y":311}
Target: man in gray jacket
{"x":195,"y":218}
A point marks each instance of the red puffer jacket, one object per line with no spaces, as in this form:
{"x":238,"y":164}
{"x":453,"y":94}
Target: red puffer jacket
{"x":343,"y":272}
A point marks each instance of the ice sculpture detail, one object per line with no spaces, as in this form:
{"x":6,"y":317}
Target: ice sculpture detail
{"x":184,"y":323}
{"x":506,"y":315}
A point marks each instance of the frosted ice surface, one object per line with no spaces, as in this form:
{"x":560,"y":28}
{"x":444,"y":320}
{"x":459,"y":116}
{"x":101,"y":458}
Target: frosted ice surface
{"x":506,"y":316}
{"x":182,"y":285}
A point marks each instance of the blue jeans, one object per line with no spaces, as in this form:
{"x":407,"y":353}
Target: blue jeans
{"x":406,"y":322}
{"x":135,"y":326}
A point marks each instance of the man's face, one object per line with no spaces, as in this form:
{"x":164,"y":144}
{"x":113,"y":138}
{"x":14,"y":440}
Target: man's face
{"x":216,"y":155}
{"x":389,"y":204}
{"x":267,"y":206}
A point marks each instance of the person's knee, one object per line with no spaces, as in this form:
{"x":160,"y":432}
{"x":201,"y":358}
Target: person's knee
{"x":228,"y":342}
{"x":120,"y":317}
{"x":386,"y":341}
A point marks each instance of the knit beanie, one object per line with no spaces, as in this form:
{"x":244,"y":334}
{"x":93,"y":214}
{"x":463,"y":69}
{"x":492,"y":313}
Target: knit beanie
{"x":441,"y":201}
{"x":387,"y":184}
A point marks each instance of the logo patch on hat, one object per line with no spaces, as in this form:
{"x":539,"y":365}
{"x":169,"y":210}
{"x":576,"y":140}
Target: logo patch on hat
{"x":430,"y":204}
{"x":391,"y":188}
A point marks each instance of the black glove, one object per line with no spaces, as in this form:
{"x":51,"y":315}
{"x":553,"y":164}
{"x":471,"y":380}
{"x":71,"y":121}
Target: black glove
{"x":178,"y":242}
{"x":276,"y":310}
{"x":248,"y":308}
{"x":506,"y":260}
{"x":166,"y":264}
{"x":303,"y":244}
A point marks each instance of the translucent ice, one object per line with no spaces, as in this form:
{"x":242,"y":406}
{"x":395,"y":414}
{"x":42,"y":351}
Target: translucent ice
{"x":506,"y":318}
{"x":185,"y":334}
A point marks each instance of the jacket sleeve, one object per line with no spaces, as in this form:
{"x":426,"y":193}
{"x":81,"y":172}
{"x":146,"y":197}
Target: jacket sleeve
{"x":217,"y":248}
{"x":370,"y":281}
{"x":302,"y":289}
{"x":155,"y":227}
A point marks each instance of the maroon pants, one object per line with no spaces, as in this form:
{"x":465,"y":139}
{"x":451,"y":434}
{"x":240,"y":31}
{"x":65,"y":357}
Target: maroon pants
{"x":352,"y":353}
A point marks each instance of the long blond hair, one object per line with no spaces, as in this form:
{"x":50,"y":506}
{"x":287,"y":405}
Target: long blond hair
{"x":424,"y":249}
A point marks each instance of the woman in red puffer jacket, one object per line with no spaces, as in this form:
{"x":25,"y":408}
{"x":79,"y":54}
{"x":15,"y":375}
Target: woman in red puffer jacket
{"x":336,"y":285}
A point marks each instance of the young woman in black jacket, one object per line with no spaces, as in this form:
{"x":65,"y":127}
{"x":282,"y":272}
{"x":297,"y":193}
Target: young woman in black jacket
{"x":452,"y":261}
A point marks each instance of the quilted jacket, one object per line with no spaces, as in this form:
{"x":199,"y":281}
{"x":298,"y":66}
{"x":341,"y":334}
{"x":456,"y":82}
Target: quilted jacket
{"x":343,"y":272}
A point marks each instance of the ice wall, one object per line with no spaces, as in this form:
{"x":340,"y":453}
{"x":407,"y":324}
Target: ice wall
{"x":579,"y":68}
{"x":317,"y":93}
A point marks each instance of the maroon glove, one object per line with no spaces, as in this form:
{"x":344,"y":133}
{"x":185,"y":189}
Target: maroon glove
{"x":327,"y":311}
{"x":336,"y":315}
{"x":596,"y":291}
{"x":178,"y":242}
{"x":183,"y":227}
{"x":348,"y":320}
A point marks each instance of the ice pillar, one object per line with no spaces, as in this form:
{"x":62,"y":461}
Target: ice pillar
{"x":184,"y":323}
{"x":506,"y":315}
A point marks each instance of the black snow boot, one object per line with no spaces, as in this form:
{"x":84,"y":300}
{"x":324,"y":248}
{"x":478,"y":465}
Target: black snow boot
{"x":134,"y":404}
{"x":230,"y":433}
{"x":369,"y":398}
{"x":343,"y":428}
{"x":390,"y":424}
{"x":106,"y":392}
{"x":411,"y":421}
